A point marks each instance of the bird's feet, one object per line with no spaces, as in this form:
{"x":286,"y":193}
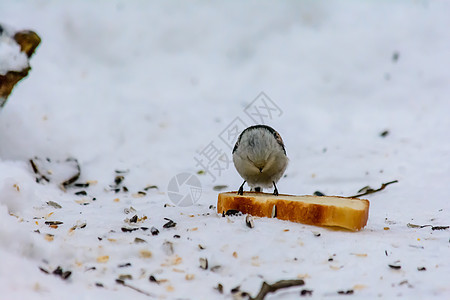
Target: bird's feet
{"x":241,"y":189}
{"x":275,"y":191}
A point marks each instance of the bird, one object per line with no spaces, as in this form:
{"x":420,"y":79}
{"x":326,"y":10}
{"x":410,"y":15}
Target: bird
{"x":260,"y":158}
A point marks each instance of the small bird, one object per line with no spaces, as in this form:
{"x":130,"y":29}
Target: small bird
{"x":260,"y":158}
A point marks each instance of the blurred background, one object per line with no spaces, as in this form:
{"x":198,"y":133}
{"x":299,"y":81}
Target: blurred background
{"x":148,"y":85}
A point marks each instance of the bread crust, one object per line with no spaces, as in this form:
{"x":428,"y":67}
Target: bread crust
{"x":348,"y":214}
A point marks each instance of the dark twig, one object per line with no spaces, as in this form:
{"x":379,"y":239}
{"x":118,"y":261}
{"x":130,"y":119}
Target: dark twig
{"x":74,"y":178}
{"x":37,"y":172}
{"x":271,"y":288}
{"x":122,"y":282}
{"x":371,"y":191}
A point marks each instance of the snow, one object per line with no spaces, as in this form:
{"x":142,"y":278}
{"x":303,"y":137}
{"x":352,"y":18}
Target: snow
{"x":145,"y":87}
{"x":11,"y":59}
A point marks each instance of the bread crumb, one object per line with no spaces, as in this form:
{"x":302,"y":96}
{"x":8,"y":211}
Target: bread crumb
{"x":103,"y":259}
{"x":189,"y":276}
{"x":144,"y":253}
{"x":170,"y":288}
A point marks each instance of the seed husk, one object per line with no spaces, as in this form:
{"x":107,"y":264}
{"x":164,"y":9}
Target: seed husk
{"x":395,"y":267}
{"x":249,"y":221}
{"x":169,"y":224}
{"x":203,"y":263}
{"x":154,"y":231}
{"x":274,"y":211}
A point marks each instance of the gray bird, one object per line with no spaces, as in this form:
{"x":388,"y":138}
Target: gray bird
{"x":260,"y":158}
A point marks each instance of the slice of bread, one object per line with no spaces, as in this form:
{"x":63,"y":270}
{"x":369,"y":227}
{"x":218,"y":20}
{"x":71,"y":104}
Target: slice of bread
{"x":349,"y":213}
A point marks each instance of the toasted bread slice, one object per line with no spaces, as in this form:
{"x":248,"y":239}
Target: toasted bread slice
{"x":349,"y":213}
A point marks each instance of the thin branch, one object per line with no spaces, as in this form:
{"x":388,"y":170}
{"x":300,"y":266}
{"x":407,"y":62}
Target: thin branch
{"x":122,"y":282}
{"x":270,"y":288}
{"x":371,"y":191}
{"x":75,"y":177}
{"x":37,"y":172}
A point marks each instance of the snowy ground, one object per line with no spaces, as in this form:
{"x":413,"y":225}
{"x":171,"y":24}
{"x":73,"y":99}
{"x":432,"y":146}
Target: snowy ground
{"x":145,"y":87}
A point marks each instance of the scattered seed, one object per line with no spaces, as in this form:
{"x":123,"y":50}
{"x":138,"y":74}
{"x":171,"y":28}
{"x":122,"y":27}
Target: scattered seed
{"x":53,"y":222}
{"x":43,"y":270}
{"x":318,"y":193}
{"x":98,"y":284}
{"x":149,"y":187}
{"x":145,"y":253}
{"x":219,"y":288}
{"x":385,"y":133}
{"x":421,"y":269}
{"x":216,"y":268}
{"x":118,"y":179}
{"x":129,"y":210}
{"x":81,"y":193}
{"x":121,"y":171}
{"x":347,"y":292}
{"x":134,"y":219}
{"x":176,"y":236}
{"x":439,"y":227}
{"x":66,"y":275}
{"x":139,"y":240}
{"x":169,"y":224}
{"x":396,"y":267}
{"x":203,"y":263}
{"x":124,"y":265}
{"x":201,"y":247}
{"x":126,"y":229}
{"x":154,"y":231}
{"x":212,"y":207}
{"x":153,"y":279}
{"x":236,"y":289}
{"x":124,"y":277}
{"x":81,"y":185}
{"x":249,"y":221}
{"x":144,"y":228}
{"x":60,"y":272}
{"x":306,"y":292}
{"x":103,"y":259}
{"x":54,"y":204}
{"x":232,"y":212}
{"x":125,"y":189}
{"x":189,"y":276}
{"x":316,"y":233}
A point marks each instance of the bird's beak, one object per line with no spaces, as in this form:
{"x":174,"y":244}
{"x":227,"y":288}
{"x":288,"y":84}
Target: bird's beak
{"x":260,"y":170}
